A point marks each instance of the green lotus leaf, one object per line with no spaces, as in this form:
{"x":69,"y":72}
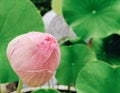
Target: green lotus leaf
{"x":46,"y":91}
{"x":108,"y":49}
{"x":16,"y":17}
{"x":92,"y":18}
{"x":98,"y":77}
{"x":57,"y":6}
{"x":73,"y":59}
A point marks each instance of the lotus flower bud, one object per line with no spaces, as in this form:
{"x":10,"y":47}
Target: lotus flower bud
{"x":34,"y":57}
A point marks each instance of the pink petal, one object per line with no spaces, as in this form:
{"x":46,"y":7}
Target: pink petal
{"x":34,"y":56}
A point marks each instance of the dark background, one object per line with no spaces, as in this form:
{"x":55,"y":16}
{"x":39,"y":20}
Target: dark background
{"x":42,"y":5}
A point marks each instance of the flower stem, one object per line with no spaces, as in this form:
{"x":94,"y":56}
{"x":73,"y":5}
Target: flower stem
{"x":49,"y":84}
{"x":69,"y":90}
{"x":0,"y":88}
{"x":20,"y":84}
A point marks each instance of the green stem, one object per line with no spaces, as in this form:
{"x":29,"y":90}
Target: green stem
{"x":0,"y":88}
{"x":49,"y":84}
{"x":20,"y":84}
{"x":69,"y":90}
{"x":52,"y":83}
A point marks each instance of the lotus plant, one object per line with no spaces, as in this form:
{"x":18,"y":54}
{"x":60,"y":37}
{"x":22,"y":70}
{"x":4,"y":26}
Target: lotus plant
{"x":34,"y":56}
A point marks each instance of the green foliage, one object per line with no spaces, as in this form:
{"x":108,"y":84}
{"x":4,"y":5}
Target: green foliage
{"x":57,"y":6}
{"x":74,"y":56}
{"x":99,"y":21}
{"x":92,"y":67}
{"x":46,"y":91}
{"x":98,"y":77}
{"x":92,"y":18}
{"x":108,"y":49}
{"x":15,"y":18}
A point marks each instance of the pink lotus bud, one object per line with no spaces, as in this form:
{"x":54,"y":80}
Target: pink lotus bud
{"x":34,"y":57}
